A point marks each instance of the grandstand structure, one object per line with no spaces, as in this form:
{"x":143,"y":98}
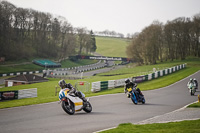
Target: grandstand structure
{"x":46,"y":63}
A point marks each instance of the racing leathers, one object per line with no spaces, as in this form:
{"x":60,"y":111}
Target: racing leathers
{"x":195,"y":81}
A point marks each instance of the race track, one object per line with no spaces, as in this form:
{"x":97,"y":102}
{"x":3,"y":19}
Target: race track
{"x":108,"y":111}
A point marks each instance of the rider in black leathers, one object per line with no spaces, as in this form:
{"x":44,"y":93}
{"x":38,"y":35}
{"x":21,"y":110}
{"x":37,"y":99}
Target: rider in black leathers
{"x":129,"y":84}
{"x":72,"y":90}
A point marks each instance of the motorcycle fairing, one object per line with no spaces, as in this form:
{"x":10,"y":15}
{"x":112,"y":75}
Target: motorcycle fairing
{"x":63,"y":93}
{"x":77,"y":102}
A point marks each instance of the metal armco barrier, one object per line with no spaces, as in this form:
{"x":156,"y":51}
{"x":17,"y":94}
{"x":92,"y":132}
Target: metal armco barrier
{"x":103,"y":85}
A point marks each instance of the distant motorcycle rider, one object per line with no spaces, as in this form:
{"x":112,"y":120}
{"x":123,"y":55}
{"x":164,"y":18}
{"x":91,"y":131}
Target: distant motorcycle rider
{"x":72,"y":90}
{"x":129,"y":84}
{"x":191,"y":82}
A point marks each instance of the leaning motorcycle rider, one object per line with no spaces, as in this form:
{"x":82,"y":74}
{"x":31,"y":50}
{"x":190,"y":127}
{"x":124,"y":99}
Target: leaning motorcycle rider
{"x":129,"y":84}
{"x":72,"y":90}
{"x":191,"y":82}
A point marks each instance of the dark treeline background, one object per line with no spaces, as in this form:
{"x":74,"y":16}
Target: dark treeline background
{"x":177,"y":39}
{"x":26,"y":33}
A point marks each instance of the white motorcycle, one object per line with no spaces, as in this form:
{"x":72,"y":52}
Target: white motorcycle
{"x":192,"y":88}
{"x":72,"y":103}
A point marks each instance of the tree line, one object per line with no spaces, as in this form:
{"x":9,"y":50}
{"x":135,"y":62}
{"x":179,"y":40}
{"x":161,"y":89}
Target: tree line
{"x":109,"y":34}
{"x":27,"y":33}
{"x":177,"y":39}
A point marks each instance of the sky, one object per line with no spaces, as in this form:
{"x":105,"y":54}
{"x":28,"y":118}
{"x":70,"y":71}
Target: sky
{"x":122,"y":16}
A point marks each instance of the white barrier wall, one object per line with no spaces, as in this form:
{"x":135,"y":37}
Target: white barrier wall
{"x":166,"y":71}
{"x":149,"y":76}
{"x":161,"y":72}
{"x":111,"y":84}
{"x":27,"y":93}
{"x":170,"y":70}
{"x":156,"y":74}
{"x":119,"y":82}
{"x":174,"y":69}
{"x":96,"y":86}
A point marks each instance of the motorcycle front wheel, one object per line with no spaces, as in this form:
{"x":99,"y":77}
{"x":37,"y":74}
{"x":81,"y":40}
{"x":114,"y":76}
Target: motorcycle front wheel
{"x":88,"y":107}
{"x":133,"y":98}
{"x":143,"y":101}
{"x":192,"y":92}
{"x":68,"y":108}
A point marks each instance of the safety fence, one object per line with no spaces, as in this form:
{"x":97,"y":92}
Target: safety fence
{"x":18,"y":94}
{"x":104,"y":85}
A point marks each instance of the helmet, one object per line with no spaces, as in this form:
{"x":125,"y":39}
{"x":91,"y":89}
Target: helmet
{"x":127,"y":81}
{"x":194,"y":79}
{"x":62,"y":83}
{"x":191,"y":79}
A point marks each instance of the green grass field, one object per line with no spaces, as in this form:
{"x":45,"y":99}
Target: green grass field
{"x":114,"y":47}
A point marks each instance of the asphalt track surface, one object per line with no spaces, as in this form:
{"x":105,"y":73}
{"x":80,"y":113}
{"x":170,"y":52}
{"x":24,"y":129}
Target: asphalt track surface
{"x":108,"y":111}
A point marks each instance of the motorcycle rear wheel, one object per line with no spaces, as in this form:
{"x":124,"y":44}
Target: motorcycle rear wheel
{"x":69,"y":109}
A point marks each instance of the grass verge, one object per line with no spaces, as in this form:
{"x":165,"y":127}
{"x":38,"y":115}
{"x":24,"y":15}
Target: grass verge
{"x":171,"y":127}
{"x":194,"y":105}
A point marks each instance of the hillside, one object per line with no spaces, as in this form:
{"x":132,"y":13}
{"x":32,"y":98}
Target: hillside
{"x":114,"y":47}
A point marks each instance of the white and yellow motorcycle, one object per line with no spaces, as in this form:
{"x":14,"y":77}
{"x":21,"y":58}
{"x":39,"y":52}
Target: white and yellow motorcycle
{"x":72,"y":103}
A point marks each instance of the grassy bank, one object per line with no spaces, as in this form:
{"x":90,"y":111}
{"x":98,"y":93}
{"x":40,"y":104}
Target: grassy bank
{"x":114,"y":47}
{"x":46,"y":90}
